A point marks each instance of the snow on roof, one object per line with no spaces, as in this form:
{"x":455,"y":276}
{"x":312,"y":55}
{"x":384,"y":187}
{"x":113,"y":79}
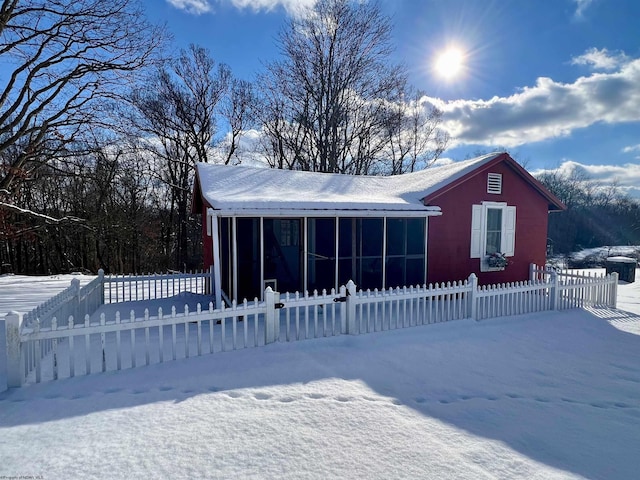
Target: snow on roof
{"x":250,"y":188}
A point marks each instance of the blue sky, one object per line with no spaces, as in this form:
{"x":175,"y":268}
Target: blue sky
{"x":556,"y":82}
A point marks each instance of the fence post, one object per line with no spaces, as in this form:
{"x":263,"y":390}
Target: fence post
{"x":101,"y":277}
{"x":272,"y":315}
{"x":472,"y":305}
{"x":3,"y":356}
{"x":555,"y":291}
{"x":15,"y":371}
{"x":352,"y":321}
{"x":613,"y":301}
{"x":75,"y":301}
{"x":532,"y":272}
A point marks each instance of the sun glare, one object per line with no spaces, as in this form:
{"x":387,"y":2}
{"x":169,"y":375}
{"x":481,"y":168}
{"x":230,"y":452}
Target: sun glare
{"x":450,"y":63}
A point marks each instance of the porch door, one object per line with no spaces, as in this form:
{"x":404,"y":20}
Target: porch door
{"x":248,"y":238}
{"x":283,"y":253}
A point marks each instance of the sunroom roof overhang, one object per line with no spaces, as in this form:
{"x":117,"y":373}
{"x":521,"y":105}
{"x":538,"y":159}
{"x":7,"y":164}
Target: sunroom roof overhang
{"x":288,"y":212}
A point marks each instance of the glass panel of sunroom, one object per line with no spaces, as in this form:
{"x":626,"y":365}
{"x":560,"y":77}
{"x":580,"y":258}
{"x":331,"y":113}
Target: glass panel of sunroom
{"x":416,"y":236}
{"x":346,"y":250}
{"x":321,"y":247}
{"x":405,"y":252}
{"x":415,"y":271}
{"x":360,"y":251}
{"x":370,"y":241}
{"x":283,"y":253}
{"x":396,"y":236}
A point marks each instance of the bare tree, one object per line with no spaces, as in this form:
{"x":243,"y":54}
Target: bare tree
{"x":336,"y":102}
{"x":65,"y":57}
{"x":414,"y":139}
{"x":238,"y":110}
{"x":177,"y":116}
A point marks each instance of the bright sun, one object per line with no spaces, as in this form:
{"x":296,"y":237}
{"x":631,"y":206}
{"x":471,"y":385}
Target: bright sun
{"x":449,"y":64}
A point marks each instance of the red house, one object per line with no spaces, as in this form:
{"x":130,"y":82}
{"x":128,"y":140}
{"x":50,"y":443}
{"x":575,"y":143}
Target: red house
{"x":496,"y":205}
{"x":297,"y":230}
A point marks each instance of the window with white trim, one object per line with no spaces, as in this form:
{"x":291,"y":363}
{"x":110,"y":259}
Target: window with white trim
{"x":493,"y":230}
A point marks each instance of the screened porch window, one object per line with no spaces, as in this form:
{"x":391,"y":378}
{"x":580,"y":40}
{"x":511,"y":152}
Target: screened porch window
{"x":321,"y":253}
{"x":360,"y":250}
{"x":405,"y":252}
{"x":283,"y":253}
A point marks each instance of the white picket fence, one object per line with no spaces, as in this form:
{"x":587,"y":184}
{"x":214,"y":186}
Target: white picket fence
{"x":79,"y":301}
{"x":131,"y":288}
{"x":576,"y":290}
{"x":37,"y":352}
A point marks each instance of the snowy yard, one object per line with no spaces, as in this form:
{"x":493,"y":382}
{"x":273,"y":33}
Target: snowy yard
{"x":552,"y":395}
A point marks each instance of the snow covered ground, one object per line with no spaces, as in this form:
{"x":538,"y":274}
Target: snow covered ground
{"x":23,"y":293}
{"x":553,"y":395}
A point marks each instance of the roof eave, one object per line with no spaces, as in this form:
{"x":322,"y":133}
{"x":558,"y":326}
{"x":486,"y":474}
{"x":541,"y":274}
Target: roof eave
{"x":555,"y":204}
{"x":325,"y":212}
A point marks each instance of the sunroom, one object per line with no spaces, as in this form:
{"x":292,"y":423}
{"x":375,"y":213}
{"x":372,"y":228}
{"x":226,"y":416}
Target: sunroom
{"x":303,"y":231}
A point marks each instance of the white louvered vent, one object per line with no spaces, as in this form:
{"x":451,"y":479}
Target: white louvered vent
{"x":494,"y":183}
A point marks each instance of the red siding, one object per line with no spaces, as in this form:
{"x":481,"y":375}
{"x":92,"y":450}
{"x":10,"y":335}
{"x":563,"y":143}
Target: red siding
{"x":449,"y":241}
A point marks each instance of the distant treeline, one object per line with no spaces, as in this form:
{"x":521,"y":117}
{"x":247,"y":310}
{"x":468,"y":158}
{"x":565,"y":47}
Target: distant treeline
{"x":595,"y":216}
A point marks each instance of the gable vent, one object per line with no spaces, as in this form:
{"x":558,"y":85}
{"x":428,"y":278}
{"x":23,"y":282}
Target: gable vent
{"x":494,"y":183}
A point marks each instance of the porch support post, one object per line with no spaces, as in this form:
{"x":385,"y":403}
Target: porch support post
{"x":384,"y":253}
{"x":426,"y":249}
{"x":337,"y":252}
{"x":215,"y":236}
{"x":234,"y":267}
{"x":262,"y":257}
{"x":305,"y":255}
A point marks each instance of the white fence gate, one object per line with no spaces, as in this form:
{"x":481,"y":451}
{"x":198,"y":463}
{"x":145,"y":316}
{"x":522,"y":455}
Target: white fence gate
{"x":47,"y":350}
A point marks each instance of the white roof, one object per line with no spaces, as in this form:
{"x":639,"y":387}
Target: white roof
{"x":238,"y":188}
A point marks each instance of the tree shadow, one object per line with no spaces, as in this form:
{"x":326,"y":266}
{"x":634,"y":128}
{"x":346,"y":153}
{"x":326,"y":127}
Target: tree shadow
{"x":557,"y":387}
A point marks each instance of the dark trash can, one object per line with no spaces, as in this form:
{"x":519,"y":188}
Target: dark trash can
{"x":624,"y":266}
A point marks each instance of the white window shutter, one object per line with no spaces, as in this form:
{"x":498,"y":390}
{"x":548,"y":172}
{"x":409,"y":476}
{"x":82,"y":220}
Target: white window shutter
{"x":510,"y":231}
{"x":476,"y":231}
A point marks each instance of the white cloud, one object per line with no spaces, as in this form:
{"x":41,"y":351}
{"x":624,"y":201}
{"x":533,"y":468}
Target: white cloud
{"x":626,"y":177}
{"x":581,"y":6}
{"x":546,"y":110}
{"x":293,"y":7}
{"x":196,"y":7}
{"x":631,"y":148}
{"x":601,"y":59}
